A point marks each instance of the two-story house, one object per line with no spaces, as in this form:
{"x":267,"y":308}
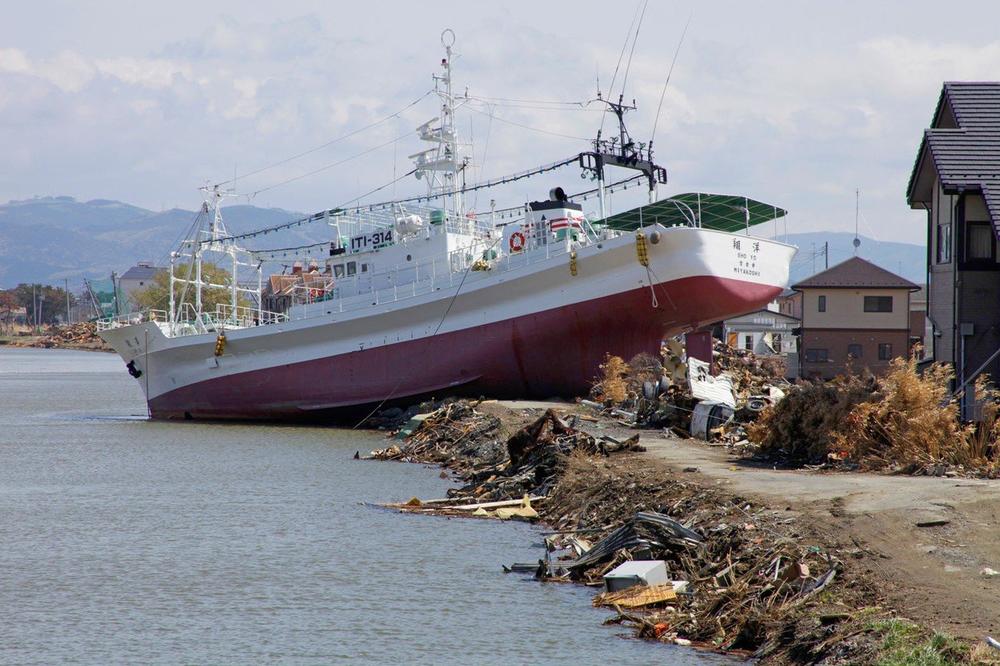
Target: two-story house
{"x":956,"y":179}
{"x":855,"y":315}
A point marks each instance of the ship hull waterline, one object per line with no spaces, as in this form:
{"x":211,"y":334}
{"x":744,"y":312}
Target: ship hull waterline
{"x":548,"y":354}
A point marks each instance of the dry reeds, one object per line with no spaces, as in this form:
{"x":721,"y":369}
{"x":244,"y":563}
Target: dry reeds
{"x":907,"y":421}
{"x":612,"y":384}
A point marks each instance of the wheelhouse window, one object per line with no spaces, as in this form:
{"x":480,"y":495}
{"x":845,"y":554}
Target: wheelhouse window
{"x":822,"y":304}
{"x":338,"y":270}
{"x":885,"y":351}
{"x":944,"y":243}
{"x":352,"y":268}
{"x":978,"y":241}
{"x":817,"y":355}
{"x":878,"y":303}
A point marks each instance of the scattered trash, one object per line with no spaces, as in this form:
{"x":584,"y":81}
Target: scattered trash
{"x":682,"y":395}
{"x":932,"y":522}
{"x":989,"y":573}
{"x":637,"y":596}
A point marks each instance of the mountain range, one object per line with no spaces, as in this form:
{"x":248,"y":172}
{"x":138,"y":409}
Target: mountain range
{"x":51,"y":239}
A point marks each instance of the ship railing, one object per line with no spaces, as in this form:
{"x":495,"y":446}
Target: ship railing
{"x":131,"y":319}
{"x":461,"y":266}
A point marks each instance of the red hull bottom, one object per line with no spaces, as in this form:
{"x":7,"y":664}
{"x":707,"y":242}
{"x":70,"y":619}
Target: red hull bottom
{"x":548,"y":354}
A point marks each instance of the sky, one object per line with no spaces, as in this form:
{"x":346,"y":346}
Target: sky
{"x":796,"y":103}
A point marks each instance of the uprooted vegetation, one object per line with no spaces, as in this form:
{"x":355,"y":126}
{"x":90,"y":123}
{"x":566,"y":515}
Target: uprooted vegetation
{"x":906,"y":422}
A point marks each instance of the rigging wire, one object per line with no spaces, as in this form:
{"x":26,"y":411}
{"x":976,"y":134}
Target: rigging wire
{"x":326,"y":167}
{"x":339,"y":210}
{"x":529,"y":127}
{"x":624,"y":181}
{"x":328,"y":143}
{"x":635,"y":39}
{"x":621,"y":56}
{"x":447,"y":310}
{"x":659,"y":107}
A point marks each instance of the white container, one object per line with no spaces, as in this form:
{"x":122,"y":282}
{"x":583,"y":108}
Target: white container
{"x":636,"y":572}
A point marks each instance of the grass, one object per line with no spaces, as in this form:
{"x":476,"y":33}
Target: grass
{"x":906,"y":644}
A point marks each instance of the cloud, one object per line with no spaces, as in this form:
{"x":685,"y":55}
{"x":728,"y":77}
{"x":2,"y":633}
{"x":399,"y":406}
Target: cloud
{"x":759,"y":104}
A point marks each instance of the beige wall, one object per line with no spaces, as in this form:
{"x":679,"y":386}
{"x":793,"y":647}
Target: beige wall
{"x":845,"y":308}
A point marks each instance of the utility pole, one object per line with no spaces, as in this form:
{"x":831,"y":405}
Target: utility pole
{"x":826,"y":254}
{"x":66,"y":282}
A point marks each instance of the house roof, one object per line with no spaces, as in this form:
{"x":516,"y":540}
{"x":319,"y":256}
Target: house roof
{"x":962,"y":146}
{"x":765,"y":312}
{"x":141,"y":272}
{"x":855,"y":273}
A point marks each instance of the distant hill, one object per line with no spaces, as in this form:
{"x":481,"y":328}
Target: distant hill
{"x":48,"y":239}
{"x":905,"y":259}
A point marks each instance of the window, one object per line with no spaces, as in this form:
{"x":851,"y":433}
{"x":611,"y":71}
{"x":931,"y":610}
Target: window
{"x":748,"y":342}
{"x":885,"y":351}
{"x":364,"y":268}
{"x":878,"y":303}
{"x":944,"y":243}
{"x":338,"y":270}
{"x":978,"y":241}
{"x":817,"y":356}
{"x":352,"y":268}
{"x":854,"y":351}
{"x":822,"y":303}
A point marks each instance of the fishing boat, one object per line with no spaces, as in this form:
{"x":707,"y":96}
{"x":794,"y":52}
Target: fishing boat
{"x":424,"y":296}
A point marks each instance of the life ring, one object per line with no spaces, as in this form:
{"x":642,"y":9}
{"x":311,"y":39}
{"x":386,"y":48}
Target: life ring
{"x":516,"y":241}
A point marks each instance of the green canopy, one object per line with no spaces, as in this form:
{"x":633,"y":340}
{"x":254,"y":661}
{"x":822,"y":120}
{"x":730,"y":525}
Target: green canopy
{"x":722,"y":212}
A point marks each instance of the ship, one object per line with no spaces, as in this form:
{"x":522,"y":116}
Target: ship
{"x":423,"y":297}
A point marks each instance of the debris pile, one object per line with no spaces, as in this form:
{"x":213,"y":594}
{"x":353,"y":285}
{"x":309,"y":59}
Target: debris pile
{"x":678,"y":562}
{"x":71,"y":336}
{"x":496,"y":469}
{"x":740,"y":576}
{"x":683,"y":395}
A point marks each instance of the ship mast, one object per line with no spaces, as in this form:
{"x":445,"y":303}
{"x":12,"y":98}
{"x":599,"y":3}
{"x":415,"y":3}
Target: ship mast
{"x":440,"y":165}
{"x":621,"y":151}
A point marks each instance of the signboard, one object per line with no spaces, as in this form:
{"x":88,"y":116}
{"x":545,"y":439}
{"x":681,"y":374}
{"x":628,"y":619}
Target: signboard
{"x":371,"y":241}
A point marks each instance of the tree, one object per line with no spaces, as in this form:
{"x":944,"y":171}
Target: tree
{"x":50,"y":302}
{"x":8,"y":303}
{"x":157,"y":295}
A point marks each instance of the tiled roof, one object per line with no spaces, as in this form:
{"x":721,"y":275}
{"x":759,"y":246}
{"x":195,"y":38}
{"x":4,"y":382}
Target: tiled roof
{"x":141,"y":272}
{"x":857,"y":273}
{"x":964,"y":143}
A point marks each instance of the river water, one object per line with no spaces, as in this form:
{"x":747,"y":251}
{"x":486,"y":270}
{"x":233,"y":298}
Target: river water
{"x":125,"y":540}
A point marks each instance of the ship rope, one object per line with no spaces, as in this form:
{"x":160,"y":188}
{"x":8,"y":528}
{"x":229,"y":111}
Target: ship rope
{"x":437,"y":330}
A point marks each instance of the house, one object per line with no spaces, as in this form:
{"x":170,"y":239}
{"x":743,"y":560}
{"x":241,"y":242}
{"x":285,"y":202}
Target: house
{"x":854,"y":315}
{"x":136,"y":279}
{"x":765,"y":333}
{"x":920,"y":329}
{"x":956,"y":180}
{"x":790,"y":303}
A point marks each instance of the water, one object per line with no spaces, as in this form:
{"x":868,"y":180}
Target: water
{"x":126,"y":540}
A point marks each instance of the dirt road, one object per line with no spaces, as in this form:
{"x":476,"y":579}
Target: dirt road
{"x":932,"y":574}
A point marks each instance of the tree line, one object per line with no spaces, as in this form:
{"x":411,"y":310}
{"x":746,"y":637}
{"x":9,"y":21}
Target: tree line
{"x":44,"y":303}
